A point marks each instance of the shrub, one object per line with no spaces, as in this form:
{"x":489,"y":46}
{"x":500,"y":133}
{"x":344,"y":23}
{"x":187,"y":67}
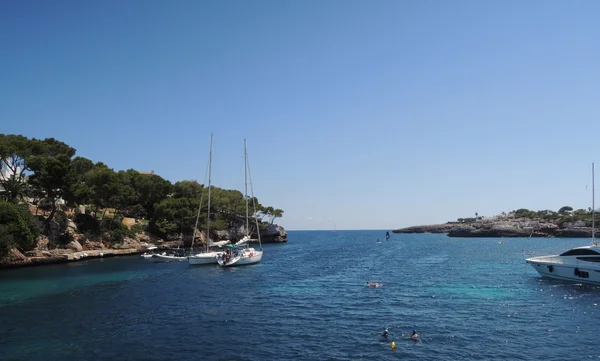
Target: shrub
{"x":18,"y":228}
{"x":138,"y":228}
{"x":86,"y":223}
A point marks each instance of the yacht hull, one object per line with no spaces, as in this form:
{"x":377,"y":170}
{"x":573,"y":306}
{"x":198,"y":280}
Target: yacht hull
{"x":575,"y":271}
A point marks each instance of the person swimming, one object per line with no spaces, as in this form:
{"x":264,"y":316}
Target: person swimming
{"x":374,"y":284}
{"x":414,"y":336}
{"x":385,"y":334}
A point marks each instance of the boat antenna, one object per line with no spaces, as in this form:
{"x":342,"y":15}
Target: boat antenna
{"x":593,"y":211}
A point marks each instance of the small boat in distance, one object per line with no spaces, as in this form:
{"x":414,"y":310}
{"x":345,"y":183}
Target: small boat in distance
{"x":579,"y":264}
{"x":148,"y":255}
{"x":175,"y":255}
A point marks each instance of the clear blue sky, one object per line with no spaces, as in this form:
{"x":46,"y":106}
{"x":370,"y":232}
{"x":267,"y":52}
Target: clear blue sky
{"x":362,"y":114}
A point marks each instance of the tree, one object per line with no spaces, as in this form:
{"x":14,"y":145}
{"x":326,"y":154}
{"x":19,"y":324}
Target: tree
{"x":188,"y":189}
{"x":18,"y":228}
{"x":103,"y":184}
{"x":523,"y":212}
{"x":149,"y":190}
{"x":78,"y":192}
{"x":176,"y":215}
{"x":14,"y":152}
{"x":49,"y":161}
{"x":14,"y":190}
{"x":565,"y":210}
{"x":277,"y":213}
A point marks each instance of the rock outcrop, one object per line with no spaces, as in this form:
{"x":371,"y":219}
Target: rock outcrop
{"x":505,"y":228}
{"x":432,"y":228}
{"x":274,"y":234}
{"x":80,"y":247}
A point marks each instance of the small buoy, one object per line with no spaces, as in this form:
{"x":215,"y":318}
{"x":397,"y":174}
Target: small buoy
{"x":393,"y":345}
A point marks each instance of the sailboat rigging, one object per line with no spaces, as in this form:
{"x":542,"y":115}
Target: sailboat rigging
{"x":208,"y":256}
{"x":241,"y":253}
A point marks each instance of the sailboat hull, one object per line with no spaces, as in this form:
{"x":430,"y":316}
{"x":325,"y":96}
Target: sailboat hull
{"x":244,"y":259}
{"x":204,"y":258}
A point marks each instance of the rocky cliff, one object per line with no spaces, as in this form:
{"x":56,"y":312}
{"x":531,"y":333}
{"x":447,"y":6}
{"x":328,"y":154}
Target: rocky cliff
{"x":83,"y":247}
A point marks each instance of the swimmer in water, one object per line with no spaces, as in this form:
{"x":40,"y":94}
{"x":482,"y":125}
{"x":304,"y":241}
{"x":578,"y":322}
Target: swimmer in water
{"x":374,"y":284}
{"x":385,"y":334}
{"x":414,"y":336}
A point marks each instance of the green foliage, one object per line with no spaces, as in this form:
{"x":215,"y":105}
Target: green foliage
{"x":565,"y":210}
{"x":14,"y":190}
{"x":525,"y":213}
{"x":86,"y":223}
{"x":188,"y":189}
{"x":117,"y":235}
{"x":14,"y":151}
{"x":49,"y":161}
{"x":78,"y":192}
{"x":219,"y":224}
{"x":138,"y":228}
{"x":48,"y":170}
{"x":18,"y":228}
{"x":149,"y":190}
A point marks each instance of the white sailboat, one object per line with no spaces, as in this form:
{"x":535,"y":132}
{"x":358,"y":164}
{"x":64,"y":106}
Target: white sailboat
{"x":208,"y":256}
{"x":241,"y":253}
{"x":579,"y":264}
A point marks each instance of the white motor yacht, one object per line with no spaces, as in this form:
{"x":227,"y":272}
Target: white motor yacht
{"x":579,"y":264}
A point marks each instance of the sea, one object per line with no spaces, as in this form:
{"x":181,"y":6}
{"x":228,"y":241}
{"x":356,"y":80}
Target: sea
{"x":468,"y":298}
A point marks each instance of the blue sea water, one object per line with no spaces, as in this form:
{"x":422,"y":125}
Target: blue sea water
{"x":473,"y":299}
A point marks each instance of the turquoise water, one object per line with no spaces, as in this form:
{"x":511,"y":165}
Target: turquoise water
{"x":472,"y":299}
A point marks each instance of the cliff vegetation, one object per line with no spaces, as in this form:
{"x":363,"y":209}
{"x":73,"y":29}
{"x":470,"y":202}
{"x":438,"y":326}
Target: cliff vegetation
{"x":54,"y":203}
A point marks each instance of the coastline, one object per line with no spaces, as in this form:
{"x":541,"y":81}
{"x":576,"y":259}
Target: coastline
{"x":81,"y":248}
{"x":504,"y":227}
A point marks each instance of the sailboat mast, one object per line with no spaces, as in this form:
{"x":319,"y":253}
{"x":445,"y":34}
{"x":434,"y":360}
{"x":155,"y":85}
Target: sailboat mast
{"x":253,"y":200}
{"x":209,"y":183}
{"x":593,"y":209}
{"x":246,"y":186}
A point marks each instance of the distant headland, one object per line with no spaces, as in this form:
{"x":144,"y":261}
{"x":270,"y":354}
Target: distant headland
{"x":566,"y":222}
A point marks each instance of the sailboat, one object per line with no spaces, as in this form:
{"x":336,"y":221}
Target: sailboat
{"x":241,"y":253}
{"x":579,"y":264}
{"x":208,"y":256}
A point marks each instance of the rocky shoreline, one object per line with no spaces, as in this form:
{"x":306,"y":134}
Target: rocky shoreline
{"x":519,"y":227}
{"x":82,"y":248}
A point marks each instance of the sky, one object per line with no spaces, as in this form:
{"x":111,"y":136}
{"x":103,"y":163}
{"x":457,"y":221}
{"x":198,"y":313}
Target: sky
{"x":358,"y":114}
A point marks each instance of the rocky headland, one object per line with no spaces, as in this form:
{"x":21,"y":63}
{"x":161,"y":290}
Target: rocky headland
{"x":507,"y":227}
{"x":83,"y":246}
